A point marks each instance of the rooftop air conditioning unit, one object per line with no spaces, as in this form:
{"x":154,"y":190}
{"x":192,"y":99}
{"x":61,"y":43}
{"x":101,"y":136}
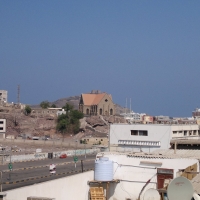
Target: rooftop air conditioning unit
{"x":40,"y":198}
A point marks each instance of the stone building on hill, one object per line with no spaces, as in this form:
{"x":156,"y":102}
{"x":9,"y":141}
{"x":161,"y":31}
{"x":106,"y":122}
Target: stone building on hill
{"x":97,"y":103}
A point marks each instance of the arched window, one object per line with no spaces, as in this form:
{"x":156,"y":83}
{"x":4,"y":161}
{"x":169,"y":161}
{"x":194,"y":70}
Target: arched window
{"x":87,"y":111}
{"x":111,"y":111}
{"x":100,"y":111}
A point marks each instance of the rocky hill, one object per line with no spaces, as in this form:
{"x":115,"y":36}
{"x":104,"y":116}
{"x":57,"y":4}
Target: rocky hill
{"x":74,"y":100}
{"x":19,"y":123}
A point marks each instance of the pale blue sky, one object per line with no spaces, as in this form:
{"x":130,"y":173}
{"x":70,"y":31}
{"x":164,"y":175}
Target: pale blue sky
{"x":148,"y":51}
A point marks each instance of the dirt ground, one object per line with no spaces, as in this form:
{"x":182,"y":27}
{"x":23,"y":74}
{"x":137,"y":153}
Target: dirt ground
{"x":20,"y":146}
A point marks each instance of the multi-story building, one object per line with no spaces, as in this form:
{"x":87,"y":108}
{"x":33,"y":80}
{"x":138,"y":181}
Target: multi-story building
{"x":148,"y":137}
{"x":196,"y":113}
{"x":3,"y":95}
{"x":2,"y":127}
{"x":96,"y":103}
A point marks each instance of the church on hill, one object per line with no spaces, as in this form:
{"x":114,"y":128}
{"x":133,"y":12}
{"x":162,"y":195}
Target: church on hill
{"x":96,"y":103}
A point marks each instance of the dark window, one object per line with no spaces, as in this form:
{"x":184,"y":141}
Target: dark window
{"x":174,"y":132}
{"x":185,"y":133}
{"x":134,"y":132}
{"x":1,"y":128}
{"x":106,"y":100}
{"x":139,"y":132}
{"x":143,"y":133}
{"x":100,"y":111}
{"x":1,"y":122}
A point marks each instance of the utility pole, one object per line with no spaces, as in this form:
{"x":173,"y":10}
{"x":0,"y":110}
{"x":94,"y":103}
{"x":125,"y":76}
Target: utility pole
{"x":18,"y":94}
{"x":1,"y":181}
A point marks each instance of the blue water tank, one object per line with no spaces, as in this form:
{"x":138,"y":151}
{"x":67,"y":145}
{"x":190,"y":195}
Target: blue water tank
{"x":103,"y":169}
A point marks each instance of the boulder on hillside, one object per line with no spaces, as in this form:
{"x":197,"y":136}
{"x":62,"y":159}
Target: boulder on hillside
{"x":95,"y":121}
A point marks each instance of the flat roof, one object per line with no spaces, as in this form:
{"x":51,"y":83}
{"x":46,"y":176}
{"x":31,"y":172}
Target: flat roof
{"x":180,"y":153}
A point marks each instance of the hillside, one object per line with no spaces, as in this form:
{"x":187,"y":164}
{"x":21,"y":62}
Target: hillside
{"x":19,"y":123}
{"x":74,"y":100}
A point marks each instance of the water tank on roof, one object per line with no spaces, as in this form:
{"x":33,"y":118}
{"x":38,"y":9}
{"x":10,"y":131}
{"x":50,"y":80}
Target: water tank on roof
{"x":103,"y":169}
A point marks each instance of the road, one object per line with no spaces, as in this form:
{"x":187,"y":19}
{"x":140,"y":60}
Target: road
{"x":28,"y":173}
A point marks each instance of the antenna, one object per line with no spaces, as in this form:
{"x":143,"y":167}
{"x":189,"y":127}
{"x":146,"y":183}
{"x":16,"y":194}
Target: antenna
{"x":130,"y":105}
{"x":151,"y":194}
{"x":126,"y":104}
{"x":18,"y":94}
{"x":180,"y":188}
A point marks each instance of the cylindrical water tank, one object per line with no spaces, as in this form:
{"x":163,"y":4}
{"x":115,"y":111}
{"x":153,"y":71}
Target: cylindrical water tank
{"x":103,"y":169}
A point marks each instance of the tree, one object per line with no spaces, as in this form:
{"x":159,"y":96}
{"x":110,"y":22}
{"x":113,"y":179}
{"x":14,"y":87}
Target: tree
{"x":68,"y":107}
{"x":69,"y":123}
{"x":44,"y":104}
{"x":53,"y":106}
{"x":27,"y":110}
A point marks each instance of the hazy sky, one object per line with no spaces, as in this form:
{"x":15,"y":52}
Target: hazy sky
{"x":148,"y":51}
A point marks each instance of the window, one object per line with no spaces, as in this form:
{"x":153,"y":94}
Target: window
{"x":100,"y":111}
{"x":143,"y":133}
{"x":1,"y":128}
{"x":185,"y":133}
{"x":139,"y":132}
{"x":1,"y":122}
{"x":134,"y":132}
{"x":174,"y":132}
{"x":180,"y":131}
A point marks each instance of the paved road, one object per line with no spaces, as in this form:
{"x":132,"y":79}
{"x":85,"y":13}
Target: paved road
{"x":27,"y":173}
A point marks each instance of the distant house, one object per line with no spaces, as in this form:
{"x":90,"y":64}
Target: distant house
{"x":96,"y":103}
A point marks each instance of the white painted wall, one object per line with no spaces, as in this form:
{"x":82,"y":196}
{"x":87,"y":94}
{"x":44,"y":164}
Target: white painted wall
{"x":120,"y":137}
{"x":157,"y":133}
{"x":68,"y":188}
{"x":2,"y":125}
{"x":132,"y":178}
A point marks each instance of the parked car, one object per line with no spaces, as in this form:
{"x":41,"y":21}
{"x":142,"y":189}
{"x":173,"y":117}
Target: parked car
{"x":63,"y":155}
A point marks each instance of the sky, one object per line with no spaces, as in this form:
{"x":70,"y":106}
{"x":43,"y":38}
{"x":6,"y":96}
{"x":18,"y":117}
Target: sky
{"x":146,"y":51}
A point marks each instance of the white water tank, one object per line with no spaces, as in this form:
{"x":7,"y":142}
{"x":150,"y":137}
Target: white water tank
{"x":103,"y":169}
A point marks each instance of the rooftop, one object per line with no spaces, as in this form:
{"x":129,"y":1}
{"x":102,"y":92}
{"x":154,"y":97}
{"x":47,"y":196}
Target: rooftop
{"x":180,"y":153}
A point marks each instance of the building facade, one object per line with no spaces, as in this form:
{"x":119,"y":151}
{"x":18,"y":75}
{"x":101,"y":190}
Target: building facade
{"x":3,"y":95}
{"x":96,"y":104}
{"x":148,"y":137}
{"x":2,"y":126}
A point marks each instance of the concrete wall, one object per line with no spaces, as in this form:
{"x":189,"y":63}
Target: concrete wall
{"x":50,"y":143}
{"x":121,"y":139}
{"x":186,"y":131}
{"x":73,"y":187}
{"x":159,"y":136}
{"x":38,"y":156}
{"x":133,"y":173}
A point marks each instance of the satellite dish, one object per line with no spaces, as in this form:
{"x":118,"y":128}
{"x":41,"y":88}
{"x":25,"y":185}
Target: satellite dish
{"x":180,"y":188}
{"x":151,"y":194}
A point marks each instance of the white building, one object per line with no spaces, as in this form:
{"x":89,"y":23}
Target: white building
{"x":2,"y":128}
{"x":60,"y":112}
{"x":148,"y":137}
{"x":136,"y":172}
{"x":3,"y":95}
